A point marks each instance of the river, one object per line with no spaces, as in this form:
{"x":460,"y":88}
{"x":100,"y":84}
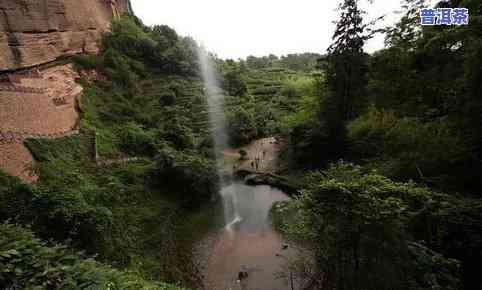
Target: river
{"x":251,"y":245}
{"x":245,"y":252}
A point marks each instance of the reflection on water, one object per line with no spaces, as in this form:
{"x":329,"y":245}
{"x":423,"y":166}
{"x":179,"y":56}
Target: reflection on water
{"x":248,"y":244}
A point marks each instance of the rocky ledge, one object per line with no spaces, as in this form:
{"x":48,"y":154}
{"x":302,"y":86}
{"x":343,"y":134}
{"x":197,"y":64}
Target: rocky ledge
{"x":266,"y":178}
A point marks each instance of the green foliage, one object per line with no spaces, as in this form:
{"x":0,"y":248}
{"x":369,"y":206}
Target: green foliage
{"x":85,"y":62}
{"x":120,"y":68}
{"x":42,"y":149}
{"x":242,"y":125}
{"x":305,"y":113}
{"x":306,"y":106}
{"x":360,"y":225}
{"x":318,"y":134}
{"x":420,"y":77}
{"x":135,"y":140}
{"x":132,"y":51}
{"x":297,"y":87}
{"x":180,"y":135}
{"x":168,"y":98}
{"x":144,"y":102}
{"x":271,"y":95}
{"x":109,"y":211}
{"x":28,"y":263}
{"x":66,"y":200}
{"x":409,"y":147}
{"x":304,"y":62}
{"x":234,"y":84}
{"x":198,"y":175}
{"x":410,"y":111}
{"x":15,"y":197}
{"x":347,"y":65}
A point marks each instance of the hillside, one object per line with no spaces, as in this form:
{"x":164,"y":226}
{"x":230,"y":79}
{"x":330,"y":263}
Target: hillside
{"x":110,"y":186}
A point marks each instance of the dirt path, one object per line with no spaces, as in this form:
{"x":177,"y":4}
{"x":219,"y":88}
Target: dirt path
{"x":262,"y":156}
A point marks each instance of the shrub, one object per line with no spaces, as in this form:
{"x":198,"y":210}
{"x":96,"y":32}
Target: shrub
{"x":198,"y":175}
{"x":234,"y":84}
{"x":168,"y":98}
{"x":86,"y":62}
{"x":28,"y":263}
{"x":408,"y":147}
{"x":242,"y":126}
{"x":15,"y":199}
{"x":136,"y":140}
{"x":359,"y":225}
{"x":297,"y":87}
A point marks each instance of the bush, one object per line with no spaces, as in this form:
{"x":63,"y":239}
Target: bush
{"x":242,"y":126}
{"x":157,"y":49}
{"x":87,"y":62}
{"x":136,"y":140}
{"x":168,"y":98}
{"x":234,"y":84}
{"x":178,"y":134}
{"x":297,"y":87}
{"x":198,"y":175}
{"x":28,"y":263}
{"x":360,"y":227}
{"x":15,"y":199}
{"x":409,"y":148}
{"x":65,"y":210}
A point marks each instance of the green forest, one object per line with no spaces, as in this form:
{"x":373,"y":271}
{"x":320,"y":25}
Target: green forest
{"x":384,"y":151}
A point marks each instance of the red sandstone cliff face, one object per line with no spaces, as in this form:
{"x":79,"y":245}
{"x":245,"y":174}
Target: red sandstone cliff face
{"x":42,"y":102}
{"x":35,"y":104}
{"x":34,"y":32}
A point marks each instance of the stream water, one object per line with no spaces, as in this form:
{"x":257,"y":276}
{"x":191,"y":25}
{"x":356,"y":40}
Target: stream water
{"x":249,"y":245}
{"x":245,"y":252}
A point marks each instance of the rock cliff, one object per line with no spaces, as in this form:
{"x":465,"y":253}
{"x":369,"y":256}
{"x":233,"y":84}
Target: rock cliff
{"x":41,"y":101}
{"x":34,"y":32}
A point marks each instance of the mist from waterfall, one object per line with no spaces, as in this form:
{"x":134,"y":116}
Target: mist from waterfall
{"x":217,"y":120}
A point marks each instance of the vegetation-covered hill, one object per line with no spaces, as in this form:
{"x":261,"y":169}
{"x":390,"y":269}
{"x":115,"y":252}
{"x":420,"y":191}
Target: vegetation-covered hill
{"x":260,"y":97}
{"x":143,"y":158}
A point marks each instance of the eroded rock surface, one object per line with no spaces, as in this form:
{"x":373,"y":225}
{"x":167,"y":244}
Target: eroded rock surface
{"x":42,"y":101}
{"x":34,"y":32}
{"x":35,"y":104}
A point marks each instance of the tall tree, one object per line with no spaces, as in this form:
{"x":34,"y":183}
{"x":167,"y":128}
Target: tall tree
{"x":346,"y":75}
{"x":347,"y":66}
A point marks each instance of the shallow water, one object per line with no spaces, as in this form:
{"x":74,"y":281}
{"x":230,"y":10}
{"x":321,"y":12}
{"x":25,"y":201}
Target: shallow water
{"x":246,"y":241}
{"x":249,"y":244}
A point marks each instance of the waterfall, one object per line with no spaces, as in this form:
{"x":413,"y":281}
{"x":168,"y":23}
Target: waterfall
{"x":217,"y":121}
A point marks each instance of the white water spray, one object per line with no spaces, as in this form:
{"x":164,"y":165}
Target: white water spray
{"x":217,"y":120}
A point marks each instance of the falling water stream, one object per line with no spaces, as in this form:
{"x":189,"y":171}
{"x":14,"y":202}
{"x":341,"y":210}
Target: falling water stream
{"x":246,"y":242}
{"x":217,"y":120}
